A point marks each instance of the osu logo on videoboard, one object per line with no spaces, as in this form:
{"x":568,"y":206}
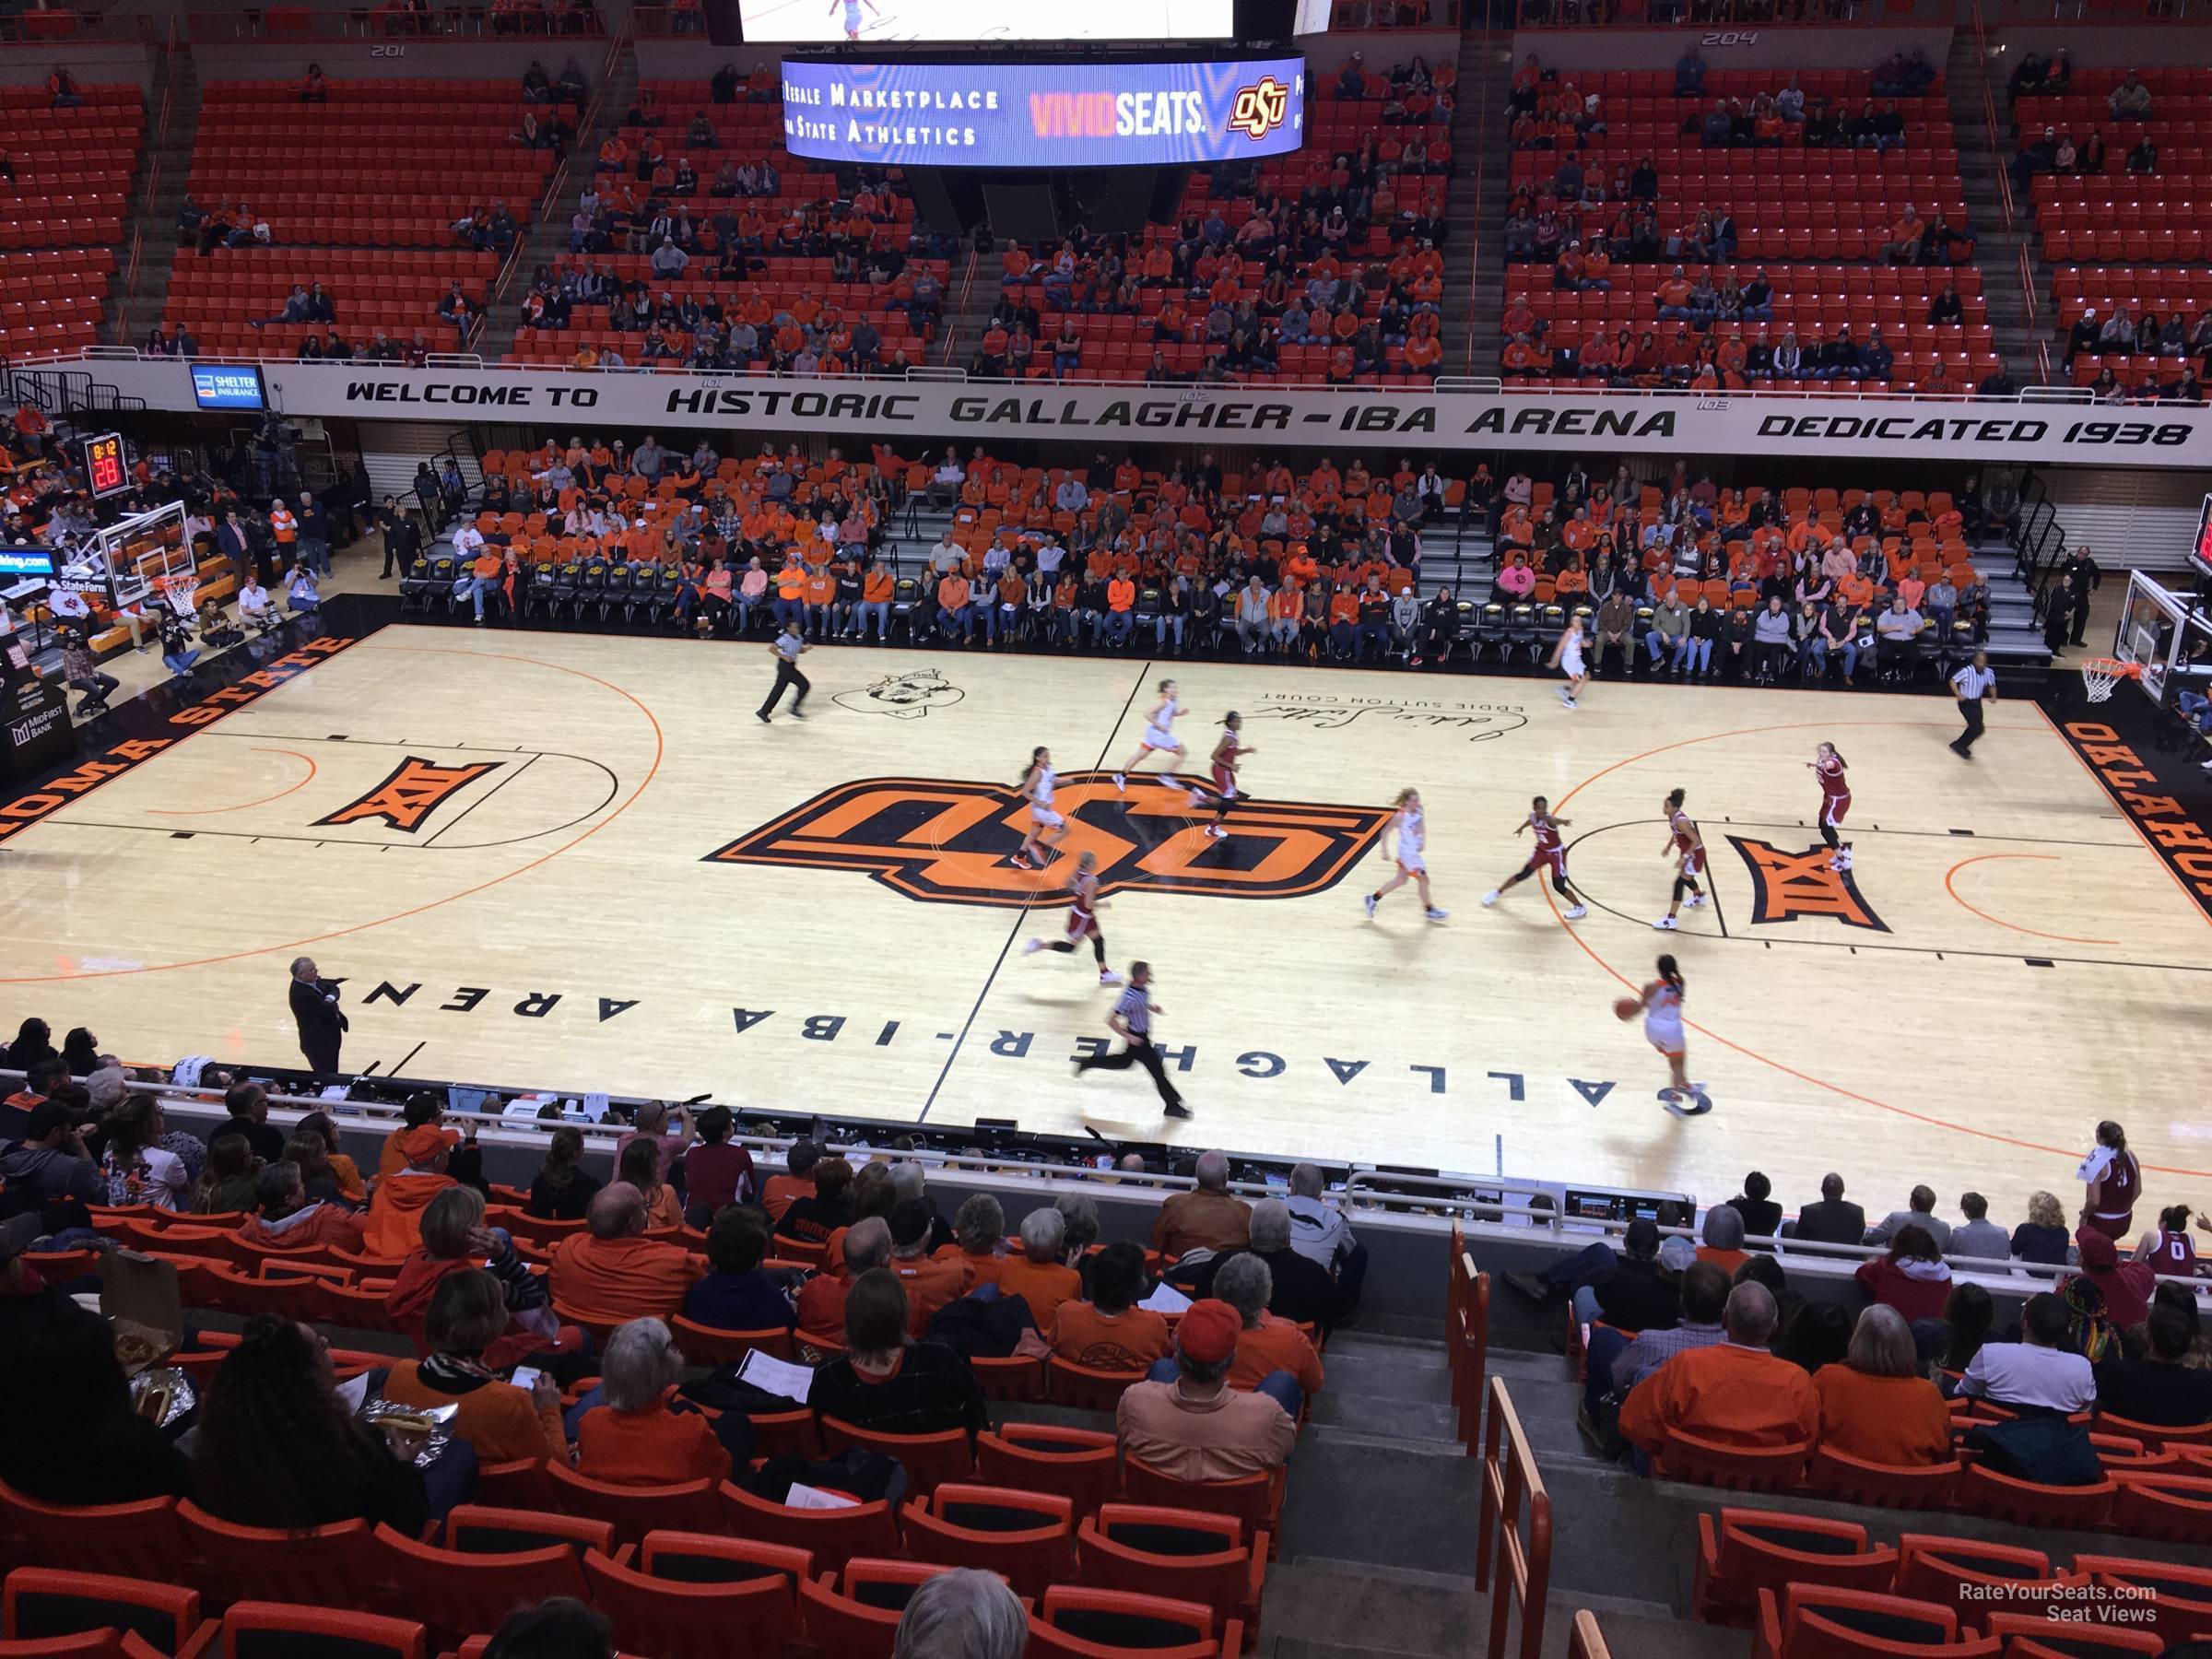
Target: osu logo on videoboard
{"x":1786,"y":885}
{"x":1259,"y":109}
{"x":415,"y":789}
{"x":948,"y":843}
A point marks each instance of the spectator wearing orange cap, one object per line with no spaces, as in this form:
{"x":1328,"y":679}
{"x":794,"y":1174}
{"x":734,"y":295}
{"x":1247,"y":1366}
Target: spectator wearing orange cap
{"x":421,"y":1110}
{"x":1185,"y":1420}
{"x":395,"y":1212}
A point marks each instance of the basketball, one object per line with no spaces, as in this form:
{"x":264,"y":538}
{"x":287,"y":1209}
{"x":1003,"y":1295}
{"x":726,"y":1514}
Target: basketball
{"x":1625,"y":1008}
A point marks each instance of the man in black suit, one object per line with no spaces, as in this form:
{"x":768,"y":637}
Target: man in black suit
{"x":1831,"y":1221}
{"x":315,"y":1006}
{"x":402,"y":540}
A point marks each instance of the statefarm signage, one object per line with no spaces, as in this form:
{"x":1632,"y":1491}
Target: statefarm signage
{"x":1927,"y":429}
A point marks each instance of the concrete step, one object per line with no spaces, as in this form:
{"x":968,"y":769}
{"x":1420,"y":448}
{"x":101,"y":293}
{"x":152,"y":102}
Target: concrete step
{"x":1647,"y":1632}
{"x":1378,"y":1378}
{"x":1317,"y":1607}
{"x":1334,"y":1506}
{"x":1381,"y":1415}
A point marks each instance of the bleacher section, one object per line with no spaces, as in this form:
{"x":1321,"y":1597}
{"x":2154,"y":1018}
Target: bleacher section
{"x":394,"y":292}
{"x":1385,"y":143}
{"x":2124,"y":239}
{"x":62,"y":218}
{"x":812,"y":271}
{"x":1821,"y":224}
{"x":382,"y":164}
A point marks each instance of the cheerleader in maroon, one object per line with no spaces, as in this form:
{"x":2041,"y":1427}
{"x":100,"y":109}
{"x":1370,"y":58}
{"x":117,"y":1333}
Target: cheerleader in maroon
{"x":1083,"y":907}
{"x":1550,"y":854}
{"x":1685,"y":845}
{"x":1830,"y":769}
{"x":1229,"y":750}
{"x":2168,"y":1250}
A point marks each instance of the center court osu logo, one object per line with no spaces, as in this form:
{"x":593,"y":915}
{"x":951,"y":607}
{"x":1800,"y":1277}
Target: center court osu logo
{"x":1259,"y":109}
{"x":415,"y":789}
{"x":1786,"y":885}
{"x":948,"y":843}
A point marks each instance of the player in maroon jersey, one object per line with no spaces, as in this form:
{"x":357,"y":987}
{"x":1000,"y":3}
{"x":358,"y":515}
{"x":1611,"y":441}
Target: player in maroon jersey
{"x":1687,"y":843}
{"x":2167,"y":1248}
{"x":1550,"y":854}
{"x":1835,"y":802}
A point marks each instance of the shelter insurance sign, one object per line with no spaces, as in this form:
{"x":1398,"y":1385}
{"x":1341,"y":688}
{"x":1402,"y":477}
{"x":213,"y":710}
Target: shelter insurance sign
{"x":914,"y":113}
{"x":1310,"y":418}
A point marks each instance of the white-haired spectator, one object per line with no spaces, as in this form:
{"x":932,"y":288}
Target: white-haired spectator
{"x":1040,"y":1275}
{"x":1304,"y":1293}
{"x":632,"y":1430}
{"x":964,"y":1614}
{"x":1270,"y":1350}
{"x":1209,"y":1218}
{"x":1321,"y":1234}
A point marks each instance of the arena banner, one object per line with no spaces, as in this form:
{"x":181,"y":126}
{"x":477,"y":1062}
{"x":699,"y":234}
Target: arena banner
{"x":865,"y":409}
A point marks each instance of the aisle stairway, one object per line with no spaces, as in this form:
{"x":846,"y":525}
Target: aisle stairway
{"x":1996,"y":249}
{"x":1475,"y":282}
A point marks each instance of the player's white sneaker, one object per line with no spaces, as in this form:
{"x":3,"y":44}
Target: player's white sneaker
{"x":1578,"y":912}
{"x":1668,"y":924}
{"x":1695,"y":900}
{"x":1845,"y":856}
{"x":1215,"y":832}
{"x":1121,"y":782}
{"x":1108,"y":977}
{"x":1032,"y":947}
{"x":1567,"y":696}
{"x":1195,"y":799}
{"x":1490,"y":898}
{"x":1434,"y":914}
{"x":1369,"y":902}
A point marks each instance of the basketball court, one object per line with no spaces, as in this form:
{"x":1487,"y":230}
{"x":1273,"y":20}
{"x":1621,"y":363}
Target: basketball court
{"x":579,"y":861}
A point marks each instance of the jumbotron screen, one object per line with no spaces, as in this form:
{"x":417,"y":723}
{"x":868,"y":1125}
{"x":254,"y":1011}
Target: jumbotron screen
{"x":827,"y":22}
{"x":1042,"y":115}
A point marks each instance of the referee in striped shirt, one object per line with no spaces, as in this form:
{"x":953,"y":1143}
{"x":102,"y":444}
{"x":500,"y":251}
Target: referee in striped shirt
{"x":1973,"y":684}
{"x":1131,"y":1019}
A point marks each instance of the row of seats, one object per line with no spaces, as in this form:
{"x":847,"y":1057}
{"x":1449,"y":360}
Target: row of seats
{"x":74,"y":170}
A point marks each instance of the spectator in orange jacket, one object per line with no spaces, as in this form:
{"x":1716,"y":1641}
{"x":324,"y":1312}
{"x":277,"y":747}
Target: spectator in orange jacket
{"x":931,"y":1281}
{"x":796,"y":1182}
{"x":822,"y":1297}
{"x":612,"y":1272}
{"x":454,"y":1240}
{"x":289,"y":1221}
{"x":420,"y":1108}
{"x":1040,"y":1275}
{"x":395,"y":1212}
{"x":1733,"y":1392}
{"x":633,"y":1429}
{"x":978,"y":1240}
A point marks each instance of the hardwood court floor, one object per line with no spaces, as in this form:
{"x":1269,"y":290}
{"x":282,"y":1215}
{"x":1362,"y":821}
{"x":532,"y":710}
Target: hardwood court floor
{"x":579,"y":860}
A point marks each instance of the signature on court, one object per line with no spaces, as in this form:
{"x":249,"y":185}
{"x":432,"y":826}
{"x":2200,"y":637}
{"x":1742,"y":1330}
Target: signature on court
{"x":1479,"y":724}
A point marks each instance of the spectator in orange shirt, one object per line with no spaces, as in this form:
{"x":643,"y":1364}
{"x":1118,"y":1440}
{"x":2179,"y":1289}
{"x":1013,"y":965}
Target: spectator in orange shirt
{"x":955,"y":615}
{"x":612,"y":1272}
{"x":1121,"y":608}
{"x":1268,"y":1345}
{"x":467,"y":1315}
{"x":979,"y":1239}
{"x":875,"y":589}
{"x":1110,"y":1332}
{"x":822,"y":1297}
{"x":791,"y":593}
{"x":821,"y":595}
{"x":633,"y":1429}
{"x":1876,"y":1405}
{"x":394,"y":1227}
{"x":931,"y":1281}
{"x":1040,"y":1275}
{"x":797,"y":1178}
{"x":1733,"y":1392}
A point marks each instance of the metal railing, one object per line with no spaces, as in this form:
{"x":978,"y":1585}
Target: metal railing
{"x":948,"y":321}
{"x":550,"y":203}
{"x":1466,"y":1338}
{"x":2015,"y":216}
{"x":1482,"y":48}
{"x":125,"y":312}
{"x":1513,"y":1488}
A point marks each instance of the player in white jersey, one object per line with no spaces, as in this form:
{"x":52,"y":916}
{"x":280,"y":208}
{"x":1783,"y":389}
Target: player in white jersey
{"x":1159,"y":734}
{"x":1567,"y":656}
{"x":1044,"y":819}
{"x":1083,"y":907}
{"x":1661,"y":1002}
{"x":1229,"y":751}
{"x":1412,"y":829}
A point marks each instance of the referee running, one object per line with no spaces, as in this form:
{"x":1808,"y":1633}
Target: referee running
{"x":789,"y":647}
{"x":1132,"y":1020}
{"x":1974,"y":685}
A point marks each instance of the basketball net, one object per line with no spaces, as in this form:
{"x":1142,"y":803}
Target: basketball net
{"x":181,"y":594}
{"x":2100,"y":674}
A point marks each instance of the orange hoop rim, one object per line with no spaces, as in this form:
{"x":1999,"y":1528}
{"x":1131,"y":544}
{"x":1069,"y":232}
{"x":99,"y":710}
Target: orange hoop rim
{"x":2112,"y":668}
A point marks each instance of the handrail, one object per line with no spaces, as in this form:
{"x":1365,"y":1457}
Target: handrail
{"x":1587,"y":1640}
{"x":1466,"y":1336}
{"x":951,"y":314}
{"x":2015,"y":217}
{"x":557,"y":182}
{"x":1482,"y":122}
{"x":1509,"y":1479}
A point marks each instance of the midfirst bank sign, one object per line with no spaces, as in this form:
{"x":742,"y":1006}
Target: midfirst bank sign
{"x":864,"y":408}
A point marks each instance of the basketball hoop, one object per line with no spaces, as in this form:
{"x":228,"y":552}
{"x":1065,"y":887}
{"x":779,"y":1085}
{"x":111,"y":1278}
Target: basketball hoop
{"x":2100,"y":675}
{"x":181,"y":594}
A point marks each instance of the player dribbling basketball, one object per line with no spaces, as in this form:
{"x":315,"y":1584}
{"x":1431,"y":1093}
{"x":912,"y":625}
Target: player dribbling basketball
{"x":1159,"y":735}
{"x":1412,"y":830}
{"x":1661,"y":1004}
{"x":1550,"y":854}
{"x":1037,"y":786}
{"x":1687,"y":842}
{"x":1228,"y":749}
{"x":1567,"y":656}
{"x":1835,"y":802}
{"x":1083,"y":907}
